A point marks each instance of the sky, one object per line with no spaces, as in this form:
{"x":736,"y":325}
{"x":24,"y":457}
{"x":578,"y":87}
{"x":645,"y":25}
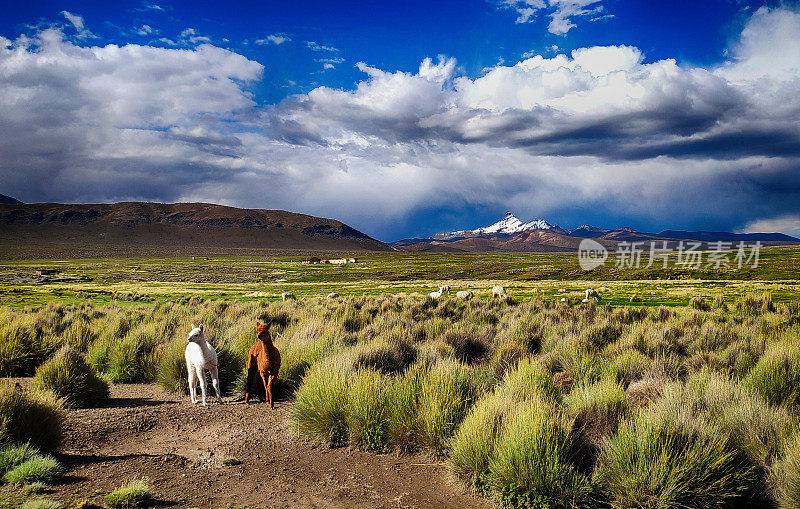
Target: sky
{"x":404,"y":119}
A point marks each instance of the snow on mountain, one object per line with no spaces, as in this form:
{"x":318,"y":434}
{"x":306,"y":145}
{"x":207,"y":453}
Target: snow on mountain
{"x":509,"y":225}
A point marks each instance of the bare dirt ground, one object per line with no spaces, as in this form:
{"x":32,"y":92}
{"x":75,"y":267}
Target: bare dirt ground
{"x":182,"y":449}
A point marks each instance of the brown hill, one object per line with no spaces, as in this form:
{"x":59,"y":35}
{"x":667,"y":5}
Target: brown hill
{"x":176,"y":225}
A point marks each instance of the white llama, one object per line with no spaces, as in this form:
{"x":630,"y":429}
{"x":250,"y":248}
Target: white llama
{"x":200,"y":355}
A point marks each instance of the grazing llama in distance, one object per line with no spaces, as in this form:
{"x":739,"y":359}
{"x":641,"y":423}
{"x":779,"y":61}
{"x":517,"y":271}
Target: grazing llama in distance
{"x":438,"y":293}
{"x":288,"y":296}
{"x":499,"y":291}
{"x":464,"y":294}
{"x":264,"y":361}
{"x":591,"y":292}
{"x":200,"y":355}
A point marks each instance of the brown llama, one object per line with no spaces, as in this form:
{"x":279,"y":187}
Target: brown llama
{"x":264,"y":361}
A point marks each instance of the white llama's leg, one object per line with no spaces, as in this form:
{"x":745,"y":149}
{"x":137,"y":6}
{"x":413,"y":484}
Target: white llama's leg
{"x":192,"y":383}
{"x":215,"y":382}
{"x":202,"y":377}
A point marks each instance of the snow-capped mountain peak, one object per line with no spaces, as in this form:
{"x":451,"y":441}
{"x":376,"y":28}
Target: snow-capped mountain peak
{"x":509,"y":225}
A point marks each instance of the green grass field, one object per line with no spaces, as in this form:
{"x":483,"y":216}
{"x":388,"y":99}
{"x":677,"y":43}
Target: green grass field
{"x":547,"y":275}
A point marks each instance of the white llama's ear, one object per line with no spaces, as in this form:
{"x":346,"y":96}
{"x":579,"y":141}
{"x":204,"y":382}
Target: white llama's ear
{"x":193,"y":327}
{"x":201,"y":327}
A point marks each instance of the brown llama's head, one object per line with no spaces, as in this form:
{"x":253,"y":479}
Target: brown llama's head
{"x":262,"y":329}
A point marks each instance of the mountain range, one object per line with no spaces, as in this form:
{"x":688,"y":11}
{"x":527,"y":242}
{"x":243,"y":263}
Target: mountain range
{"x":100,"y":229}
{"x":511,"y":234}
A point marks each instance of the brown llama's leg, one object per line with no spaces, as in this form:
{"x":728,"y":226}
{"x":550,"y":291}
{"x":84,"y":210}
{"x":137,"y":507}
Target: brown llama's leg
{"x":265,"y":378}
{"x":269,"y":391}
{"x":251,"y":373}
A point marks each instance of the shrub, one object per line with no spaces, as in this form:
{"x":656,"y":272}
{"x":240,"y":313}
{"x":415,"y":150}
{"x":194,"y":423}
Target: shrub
{"x":36,"y":469}
{"x":664,"y":458}
{"x":533,"y":465}
{"x":30,"y":416}
{"x":319,"y":409}
{"x":367,"y":411}
{"x":776,"y":375}
{"x":69,"y":376}
{"x":133,"y":494}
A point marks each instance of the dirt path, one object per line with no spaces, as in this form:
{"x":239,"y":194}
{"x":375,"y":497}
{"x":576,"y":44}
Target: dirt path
{"x":181,"y":448}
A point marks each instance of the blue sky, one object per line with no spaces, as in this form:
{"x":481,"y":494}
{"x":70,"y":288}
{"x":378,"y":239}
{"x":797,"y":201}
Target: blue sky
{"x":407,"y":118}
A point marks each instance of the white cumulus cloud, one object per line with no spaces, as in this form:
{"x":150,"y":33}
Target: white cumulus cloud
{"x":601,"y":130}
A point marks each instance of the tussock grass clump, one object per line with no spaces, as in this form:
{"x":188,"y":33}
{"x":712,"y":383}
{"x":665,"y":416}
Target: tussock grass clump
{"x":368,"y":410}
{"x":41,"y":503}
{"x":785,"y":476}
{"x":131,"y":359}
{"x":69,"y":376}
{"x":404,"y":427}
{"x":597,"y":408}
{"x":470,"y":343}
{"x":303,"y":345}
{"x":628,"y":367}
{"x":756,"y":304}
{"x":25,"y":342}
{"x":31,"y":416}
{"x":601,"y":334}
{"x":36,"y":469}
{"x":387,"y":355}
{"x":776,"y":375}
{"x":34,"y":488}
{"x":14,"y":455}
{"x":533,"y":465}
{"x":752,"y":425}
{"x":475,"y":441}
{"x":664,"y":457}
{"x":699,"y":304}
{"x":320,"y":408}
{"x":531,"y":380}
{"x":448,"y":391}
{"x":136,"y":493}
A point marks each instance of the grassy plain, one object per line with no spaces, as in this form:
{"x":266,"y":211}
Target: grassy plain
{"x":266,"y":275}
